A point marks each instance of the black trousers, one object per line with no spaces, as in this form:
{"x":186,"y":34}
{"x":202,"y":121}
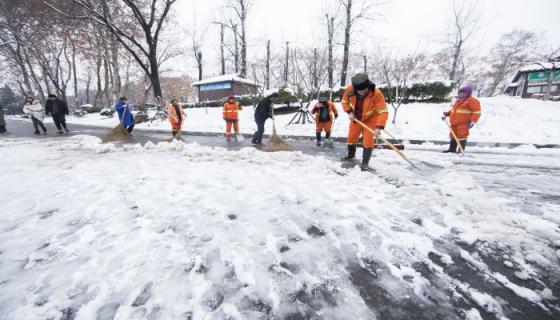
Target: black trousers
{"x":38,"y":123}
{"x":257,"y":136}
{"x":59,"y":121}
{"x":130,"y":128}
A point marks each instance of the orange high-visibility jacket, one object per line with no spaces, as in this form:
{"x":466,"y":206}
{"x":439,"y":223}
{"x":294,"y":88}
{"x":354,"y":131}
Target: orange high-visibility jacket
{"x":172,"y":114}
{"x":374,"y":110}
{"x":332,"y":111}
{"x":465,"y":111}
{"x":231,"y":110}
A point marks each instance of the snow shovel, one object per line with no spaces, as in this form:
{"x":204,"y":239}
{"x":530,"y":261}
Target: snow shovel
{"x":276,"y":143}
{"x":426,"y":166}
{"x":462,"y":151}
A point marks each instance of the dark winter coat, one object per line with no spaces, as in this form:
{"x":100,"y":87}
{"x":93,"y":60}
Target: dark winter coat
{"x":125,"y":116}
{"x":56,"y":107}
{"x":264,"y":109}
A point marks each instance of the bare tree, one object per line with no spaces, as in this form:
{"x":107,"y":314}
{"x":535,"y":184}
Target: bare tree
{"x":398,"y":72}
{"x":464,"y":23}
{"x":354,"y":12}
{"x":514,"y":49}
{"x":150,"y":17}
{"x":241,"y":9}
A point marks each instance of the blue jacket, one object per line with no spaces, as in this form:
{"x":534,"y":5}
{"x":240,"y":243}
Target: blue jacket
{"x":127,"y":120}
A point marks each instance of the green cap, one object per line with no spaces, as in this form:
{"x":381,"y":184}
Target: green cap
{"x":360,"y":81}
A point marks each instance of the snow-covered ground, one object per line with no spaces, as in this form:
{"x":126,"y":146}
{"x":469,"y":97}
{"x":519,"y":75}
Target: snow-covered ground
{"x":181,"y":231}
{"x":504,"y":119}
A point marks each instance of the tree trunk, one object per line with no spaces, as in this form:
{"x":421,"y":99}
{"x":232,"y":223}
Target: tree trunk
{"x":347,"y":31}
{"x":88,"y":83}
{"x":243,"y":42}
{"x":315,"y":71}
{"x":548,"y":85}
{"x":330,"y":63}
{"x":456,"y":57}
{"x":222,"y":45}
{"x":287,"y":63}
{"x":116,"y":77}
{"x":236,"y":56}
{"x":268,"y":64}
{"x":154,"y":73}
{"x":75,"y":75}
{"x":199,"y":61}
{"x":365,"y":64}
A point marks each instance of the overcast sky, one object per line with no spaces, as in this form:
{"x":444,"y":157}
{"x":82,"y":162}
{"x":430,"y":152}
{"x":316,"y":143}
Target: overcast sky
{"x":402,"y":25}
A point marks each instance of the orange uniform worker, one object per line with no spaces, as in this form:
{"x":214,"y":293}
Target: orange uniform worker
{"x":363,"y":101}
{"x":176,"y":115}
{"x":463,"y":116}
{"x":231,"y":115}
{"x":325,"y":112}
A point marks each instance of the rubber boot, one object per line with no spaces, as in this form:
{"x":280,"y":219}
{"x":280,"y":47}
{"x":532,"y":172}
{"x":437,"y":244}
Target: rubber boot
{"x":318,"y":134}
{"x":452,"y":146}
{"x":36,"y":132}
{"x":327,"y":135}
{"x":463,"y":145}
{"x":351,"y":153}
{"x":365,"y":159}
{"x":174,"y":133}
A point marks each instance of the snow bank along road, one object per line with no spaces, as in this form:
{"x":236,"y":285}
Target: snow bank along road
{"x":186,"y":231}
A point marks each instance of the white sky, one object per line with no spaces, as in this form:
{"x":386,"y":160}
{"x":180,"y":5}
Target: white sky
{"x":403,"y":25}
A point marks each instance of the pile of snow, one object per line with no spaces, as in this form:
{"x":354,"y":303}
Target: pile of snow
{"x":181,"y":231}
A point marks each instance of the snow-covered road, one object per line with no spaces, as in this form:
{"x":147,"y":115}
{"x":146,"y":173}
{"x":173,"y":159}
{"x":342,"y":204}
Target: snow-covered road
{"x":180,"y":231}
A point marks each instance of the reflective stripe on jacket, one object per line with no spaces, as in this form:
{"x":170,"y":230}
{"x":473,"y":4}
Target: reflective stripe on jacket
{"x":231,"y":110}
{"x":465,"y":111}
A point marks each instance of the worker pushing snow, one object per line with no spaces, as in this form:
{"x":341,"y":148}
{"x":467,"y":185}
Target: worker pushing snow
{"x":325,"y":114}
{"x":125,"y":115}
{"x":364,"y":102}
{"x":463,"y":116}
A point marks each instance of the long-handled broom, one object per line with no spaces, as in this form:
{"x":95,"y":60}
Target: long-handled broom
{"x":119,"y":132}
{"x":276,"y":143}
{"x":426,"y":166}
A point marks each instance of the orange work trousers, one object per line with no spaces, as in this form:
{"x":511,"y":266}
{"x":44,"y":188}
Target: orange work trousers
{"x":461,"y":131}
{"x":235,"y":124}
{"x":356,"y":130}
{"x":320,"y":126}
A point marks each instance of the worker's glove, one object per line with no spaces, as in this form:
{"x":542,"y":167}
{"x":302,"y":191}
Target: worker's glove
{"x":377,"y":131}
{"x":336,"y":117}
{"x":471,"y":125}
{"x":351,"y":116}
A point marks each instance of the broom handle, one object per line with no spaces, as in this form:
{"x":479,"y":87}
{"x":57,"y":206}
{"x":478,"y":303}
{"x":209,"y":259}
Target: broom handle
{"x":454,"y":136}
{"x":392,"y":146}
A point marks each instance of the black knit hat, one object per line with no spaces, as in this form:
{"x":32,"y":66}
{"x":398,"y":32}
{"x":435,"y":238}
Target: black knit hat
{"x":360,"y":81}
{"x":123,"y":99}
{"x":51,"y":95}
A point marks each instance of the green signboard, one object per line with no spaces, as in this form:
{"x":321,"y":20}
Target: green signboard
{"x":542,"y":76}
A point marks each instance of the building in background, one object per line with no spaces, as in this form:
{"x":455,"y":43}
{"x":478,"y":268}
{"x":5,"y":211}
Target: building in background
{"x":531,"y":81}
{"x":221,"y":87}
